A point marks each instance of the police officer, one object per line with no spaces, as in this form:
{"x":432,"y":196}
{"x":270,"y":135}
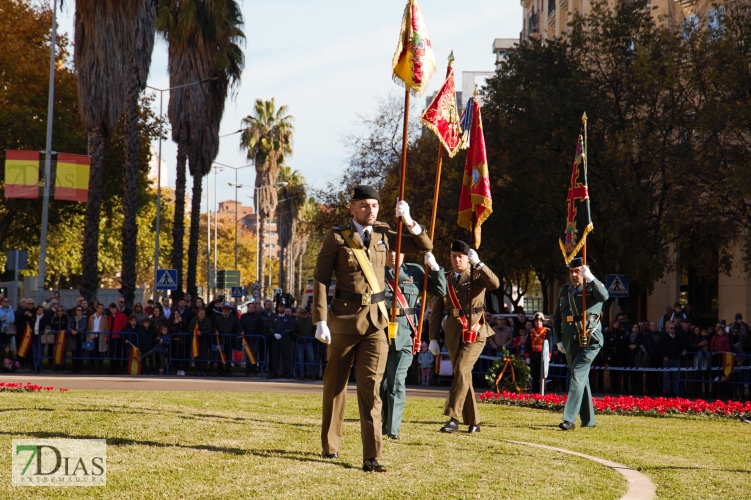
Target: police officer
{"x":393,"y":388}
{"x":466,"y":331}
{"x":355,"y":254}
{"x":567,"y":329}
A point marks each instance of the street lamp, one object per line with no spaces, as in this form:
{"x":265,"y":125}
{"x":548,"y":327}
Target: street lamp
{"x":255,"y":203}
{"x":237,"y":186}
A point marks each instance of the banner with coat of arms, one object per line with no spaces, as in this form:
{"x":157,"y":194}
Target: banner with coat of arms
{"x":442,"y":116}
{"x":414,"y":63}
{"x":578,"y":215}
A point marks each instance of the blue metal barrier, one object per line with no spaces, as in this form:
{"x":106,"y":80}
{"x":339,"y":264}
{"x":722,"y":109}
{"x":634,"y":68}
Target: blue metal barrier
{"x":306,"y":348}
{"x":182,"y":345}
{"x":85,"y":347}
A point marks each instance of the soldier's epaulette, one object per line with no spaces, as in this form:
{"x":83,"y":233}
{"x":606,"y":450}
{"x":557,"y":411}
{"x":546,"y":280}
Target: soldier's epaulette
{"x":413,"y":265}
{"x":341,"y":228}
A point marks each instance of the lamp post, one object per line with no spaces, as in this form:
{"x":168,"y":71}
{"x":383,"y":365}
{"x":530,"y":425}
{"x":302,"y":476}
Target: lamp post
{"x":255,"y":203}
{"x":159,"y":170}
{"x":216,"y":223}
{"x":236,"y":186}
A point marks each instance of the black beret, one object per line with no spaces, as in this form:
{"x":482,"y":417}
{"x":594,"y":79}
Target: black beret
{"x":365,"y":193}
{"x":459,"y":246}
{"x":575,"y":262}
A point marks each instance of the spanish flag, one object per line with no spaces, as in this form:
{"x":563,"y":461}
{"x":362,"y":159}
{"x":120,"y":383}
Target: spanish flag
{"x":194,"y":345}
{"x":414,"y":63}
{"x":221,"y":352}
{"x":59,"y":348}
{"x":23,"y":348}
{"x":248,"y":352}
{"x":475,"y":200}
{"x":72,"y":177}
{"x":134,"y":361}
{"x":728,"y":365}
{"x":21,"y":174}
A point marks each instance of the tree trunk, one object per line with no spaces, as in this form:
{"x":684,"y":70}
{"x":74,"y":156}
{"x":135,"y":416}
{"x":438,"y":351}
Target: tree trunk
{"x":261,"y":253}
{"x":178,"y":226}
{"x":195,"y":216}
{"x":90,"y":260}
{"x":130,"y":192}
{"x":300,"y":283}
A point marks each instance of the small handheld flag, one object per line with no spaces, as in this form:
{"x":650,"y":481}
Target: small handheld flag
{"x":221,"y":352}
{"x":59,"y":348}
{"x":194,"y":344}
{"x":23,"y":348}
{"x":248,"y":351}
{"x":578,"y":215}
{"x":442,"y":116}
{"x":414,"y":62}
{"x":134,"y":360}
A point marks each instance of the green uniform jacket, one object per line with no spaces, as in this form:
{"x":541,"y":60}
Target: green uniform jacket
{"x":567,"y":332}
{"x":411,"y":277}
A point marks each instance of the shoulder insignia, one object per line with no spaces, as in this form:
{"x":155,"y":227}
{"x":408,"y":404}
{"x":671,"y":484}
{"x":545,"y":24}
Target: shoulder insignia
{"x":380,"y":228}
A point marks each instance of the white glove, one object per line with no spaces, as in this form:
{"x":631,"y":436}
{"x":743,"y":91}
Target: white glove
{"x":278,"y":336}
{"x":474,"y":259}
{"x":527,"y":361}
{"x":323,"y":333}
{"x":434,"y":348}
{"x":560,"y":347}
{"x":431,"y":262}
{"x":588,"y":276}
{"x":402,"y":210}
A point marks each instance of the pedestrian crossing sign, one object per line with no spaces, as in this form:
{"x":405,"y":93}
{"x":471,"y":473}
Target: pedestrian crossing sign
{"x":237,"y":292}
{"x":617,"y":285}
{"x":166,"y":279}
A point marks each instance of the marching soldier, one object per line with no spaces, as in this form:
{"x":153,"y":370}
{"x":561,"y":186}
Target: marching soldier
{"x":466,"y":332}
{"x":356,"y":254}
{"x":567,"y":330}
{"x":393,"y":387}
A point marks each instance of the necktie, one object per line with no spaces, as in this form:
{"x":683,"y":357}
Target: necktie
{"x":366,"y":239}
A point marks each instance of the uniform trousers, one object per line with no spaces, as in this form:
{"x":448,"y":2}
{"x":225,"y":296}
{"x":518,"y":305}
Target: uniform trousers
{"x":579,"y":393}
{"x":394,"y":390}
{"x":461,"y":400}
{"x":368,"y":353}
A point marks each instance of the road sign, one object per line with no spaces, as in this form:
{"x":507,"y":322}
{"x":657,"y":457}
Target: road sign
{"x":256,"y":286}
{"x":277,"y":291}
{"x":227,"y":278}
{"x":237,"y":292}
{"x":256,"y":293}
{"x":617,"y":285}
{"x":23,"y":260}
{"x":166,"y":279}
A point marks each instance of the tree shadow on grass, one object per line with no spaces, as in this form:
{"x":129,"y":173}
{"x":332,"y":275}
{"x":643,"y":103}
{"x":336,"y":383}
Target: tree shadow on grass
{"x":674,"y":467}
{"x":298,"y":456}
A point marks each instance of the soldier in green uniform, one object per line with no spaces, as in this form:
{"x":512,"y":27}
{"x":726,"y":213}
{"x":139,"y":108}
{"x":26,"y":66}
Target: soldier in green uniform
{"x":393,"y":387}
{"x":355,"y":254}
{"x":567,"y":327}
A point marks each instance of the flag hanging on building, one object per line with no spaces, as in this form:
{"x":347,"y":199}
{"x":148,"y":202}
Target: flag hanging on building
{"x":221,"y":352}
{"x":134,"y":361}
{"x":442,"y":116}
{"x":72,"y":177}
{"x":23,"y":347}
{"x":21,"y":174}
{"x":578,"y":216}
{"x":475,"y":197}
{"x":59,"y":355}
{"x":194,"y":351}
{"x":414,"y":63}
{"x":248,"y":351}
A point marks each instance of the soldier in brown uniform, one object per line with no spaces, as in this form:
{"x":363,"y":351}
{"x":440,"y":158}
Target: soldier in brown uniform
{"x":464,"y":337}
{"x":358,"y":317}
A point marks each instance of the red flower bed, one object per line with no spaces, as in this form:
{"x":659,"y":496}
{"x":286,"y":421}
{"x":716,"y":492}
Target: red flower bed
{"x":28,"y":387}
{"x":625,"y":405}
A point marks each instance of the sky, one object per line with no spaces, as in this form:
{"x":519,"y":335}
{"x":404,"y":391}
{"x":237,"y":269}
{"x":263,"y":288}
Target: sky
{"x":329,"y":61}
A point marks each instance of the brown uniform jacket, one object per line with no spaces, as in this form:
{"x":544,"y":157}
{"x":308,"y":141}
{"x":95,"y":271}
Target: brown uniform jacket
{"x":485,"y":279}
{"x":336,"y":257}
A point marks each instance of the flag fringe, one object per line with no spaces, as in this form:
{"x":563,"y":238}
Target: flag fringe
{"x":569,"y":257}
{"x":434,"y":129}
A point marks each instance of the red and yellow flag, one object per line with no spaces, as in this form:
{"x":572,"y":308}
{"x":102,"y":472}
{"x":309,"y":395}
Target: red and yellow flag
{"x":221,"y":352}
{"x":134,"y":361}
{"x":442,"y":116}
{"x":59,"y":348}
{"x":72,"y":177}
{"x":414,"y":63}
{"x":248,"y":351}
{"x":194,"y":345}
{"x":23,"y":348}
{"x":21,"y":174}
{"x":578,"y":212}
{"x":475,"y":199}
{"x":728,"y":365}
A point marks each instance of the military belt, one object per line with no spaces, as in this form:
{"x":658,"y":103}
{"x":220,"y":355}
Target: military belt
{"x":463,"y":312}
{"x":407,"y":311}
{"x":576,"y":319}
{"x":364,"y":299}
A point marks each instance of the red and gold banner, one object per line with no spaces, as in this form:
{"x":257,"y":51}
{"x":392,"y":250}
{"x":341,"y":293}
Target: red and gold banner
{"x":194,"y":344}
{"x":221,"y":352}
{"x":59,"y":356}
{"x":442,"y":116}
{"x":134,"y":361}
{"x":21,"y":174}
{"x":25,"y":345}
{"x":248,"y":351}
{"x":475,"y":196}
{"x":728,"y":365}
{"x":578,"y":213}
{"x":72,"y":177}
{"x":414,"y":63}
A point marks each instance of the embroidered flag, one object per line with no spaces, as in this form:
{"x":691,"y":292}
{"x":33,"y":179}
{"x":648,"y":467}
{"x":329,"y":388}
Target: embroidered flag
{"x":221,"y":352}
{"x":72,"y":177}
{"x":21,"y":174}
{"x":134,"y":361}
{"x":194,"y":344}
{"x":248,"y":351}
{"x":578,"y":215}
{"x":442,"y":116}
{"x":59,"y":348}
{"x":413,"y":63}
{"x":475,"y":197}
{"x":23,"y":348}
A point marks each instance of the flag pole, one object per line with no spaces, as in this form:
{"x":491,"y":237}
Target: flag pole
{"x":424,"y":294}
{"x":401,"y":197}
{"x":474,"y":243}
{"x":585,"y":331}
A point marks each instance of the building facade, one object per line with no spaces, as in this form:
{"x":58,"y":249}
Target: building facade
{"x":247,"y":221}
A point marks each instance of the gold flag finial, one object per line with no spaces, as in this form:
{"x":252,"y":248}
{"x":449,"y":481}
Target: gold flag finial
{"x":477,"y":90}
{"x":451,"y":59}
{"x":584,"y":118}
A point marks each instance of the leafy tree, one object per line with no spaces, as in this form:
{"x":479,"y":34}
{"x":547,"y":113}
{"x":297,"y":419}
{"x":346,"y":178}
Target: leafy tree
{"x":294,"y":196}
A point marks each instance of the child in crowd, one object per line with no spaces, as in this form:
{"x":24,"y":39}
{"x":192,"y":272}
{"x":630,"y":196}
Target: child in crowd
{"x":161,"y":348}
{"x":9,"y":360}
{"x":425,"y":359}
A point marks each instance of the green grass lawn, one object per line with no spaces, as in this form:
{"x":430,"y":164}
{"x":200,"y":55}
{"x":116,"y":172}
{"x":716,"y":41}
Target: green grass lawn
{"x":264,"y":445}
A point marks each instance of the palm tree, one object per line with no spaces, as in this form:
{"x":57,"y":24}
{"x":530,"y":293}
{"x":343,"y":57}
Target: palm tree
{"x":104,"y":41}
{"x":145,"y":33}
{"x":294,"y":195}
{"x":267,"y":138}
{"x":203,"y":38}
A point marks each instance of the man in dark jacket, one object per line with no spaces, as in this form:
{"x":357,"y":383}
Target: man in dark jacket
{"x":307,"y":366}
{"x":673,"y":346}
{"x":204,"y":339}
{"x":225,"y":328}
{"x":281,"y":330}
{"x":254,"y":322}
{"x":653,"y":338}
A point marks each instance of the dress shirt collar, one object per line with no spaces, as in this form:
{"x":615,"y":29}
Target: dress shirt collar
{"x":360,"y":229}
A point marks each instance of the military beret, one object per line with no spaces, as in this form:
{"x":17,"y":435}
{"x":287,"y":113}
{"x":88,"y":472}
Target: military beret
{"x":364,"y":193}
{"x":575,"y":262}
{"x":459,"y":246}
